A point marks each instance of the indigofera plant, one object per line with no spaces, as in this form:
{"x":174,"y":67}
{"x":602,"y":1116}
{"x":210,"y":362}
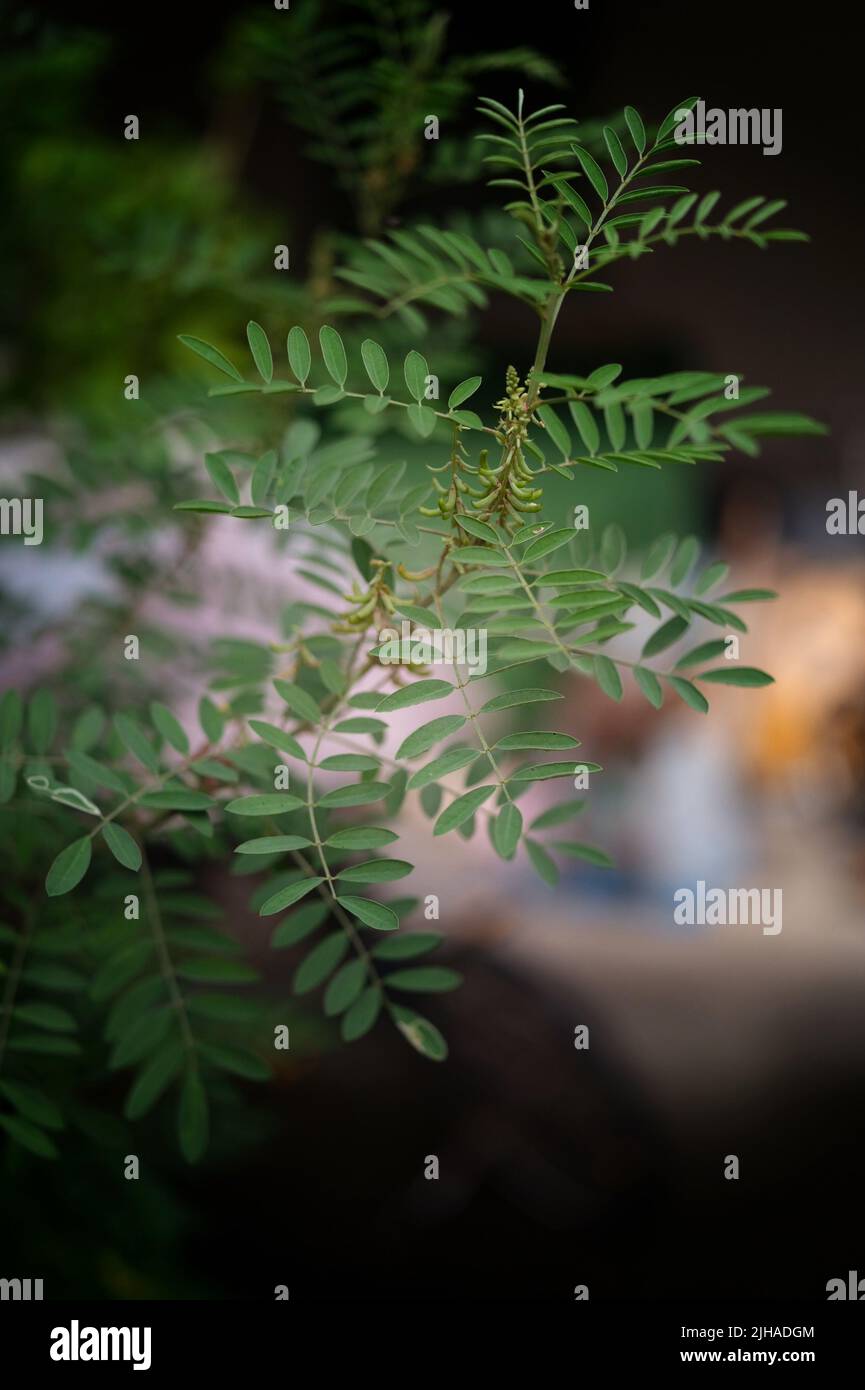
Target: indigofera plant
{"x":464,"y":542}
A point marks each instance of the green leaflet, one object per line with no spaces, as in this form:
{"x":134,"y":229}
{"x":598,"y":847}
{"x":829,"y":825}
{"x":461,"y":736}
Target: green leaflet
{"x":278,"y":738}
{"x":407,"y":945}
{"x":132,"y":738}
{"x":608,"y":678}
{"x":211,"y":355}
{"x":358,"y":794}
{"x":299,"y":354}
{"x":557,"y":815}
{"x":42,"y":721}
{"x":273,"y":844}
{"x":423,"y":738}
{"x":153,"y":1078}
{"x":506,"y":831}
{"x":415,"y":694}
{"x":372,"y":914}
{"x":286,"y":897}
{"x":514,"y":699}
{"x":122,"y":845}
{"x":333,"y":352}
{"x":416,"y":372}
{"x":463,"y":391}
{"x":737,"y":675}
{"x":665,"y":636}
{"x":264,"y":804}
{"x":650,"y":685}
{"x":447,"y":762}
{"x":68,"y":868}
{"x":29,"y":1136}
{"x":361,"y":837}
{"x":376,"y":871}
{"x":689,"y":693}
{"x":192,"y":1116}
{"x":481,"y":530}
{"x":589,"y":853}
{"x":362,"y":1015}
{"x":177,"y":799}
{"x":546,"y":544}
{"x":460,"y":810}
{"x":376,"y":364}
{"x":423,"y":1036}
{"x":11,"y":718}
{"x":424,"y":979}
{"x":299,"y":701}
{"x":593,"y":172}
{"x":170,"y":729}
{"x":344,"y":987}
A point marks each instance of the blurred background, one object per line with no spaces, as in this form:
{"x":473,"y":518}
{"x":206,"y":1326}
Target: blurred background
{"x":558,"y":1167}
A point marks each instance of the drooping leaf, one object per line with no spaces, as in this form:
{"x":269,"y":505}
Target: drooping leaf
{"x":507,"y":828}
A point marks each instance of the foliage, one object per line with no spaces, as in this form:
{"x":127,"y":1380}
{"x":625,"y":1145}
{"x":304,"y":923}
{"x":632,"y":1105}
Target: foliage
{"x":131,"y":805}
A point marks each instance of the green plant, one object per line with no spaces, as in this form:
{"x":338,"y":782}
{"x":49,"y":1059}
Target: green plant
{"x":463,"y":542}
